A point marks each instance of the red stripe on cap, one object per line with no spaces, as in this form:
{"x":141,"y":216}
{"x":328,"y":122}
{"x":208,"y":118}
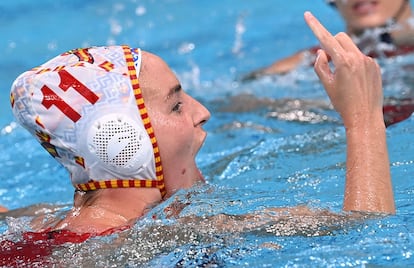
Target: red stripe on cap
{"x":159,"y":183}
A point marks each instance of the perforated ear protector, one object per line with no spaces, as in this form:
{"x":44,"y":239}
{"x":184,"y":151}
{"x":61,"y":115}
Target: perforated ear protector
{"x":119,"y":143}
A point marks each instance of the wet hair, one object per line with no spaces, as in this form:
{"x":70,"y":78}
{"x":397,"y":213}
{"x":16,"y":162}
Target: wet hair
{"x":331,"y":3}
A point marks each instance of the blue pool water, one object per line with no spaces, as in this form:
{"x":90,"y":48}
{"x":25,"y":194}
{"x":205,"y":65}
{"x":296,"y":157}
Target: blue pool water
{"x":291,"y":153}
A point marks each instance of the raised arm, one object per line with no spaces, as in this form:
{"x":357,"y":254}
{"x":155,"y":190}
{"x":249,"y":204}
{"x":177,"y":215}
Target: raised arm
{"x":355,"y":90}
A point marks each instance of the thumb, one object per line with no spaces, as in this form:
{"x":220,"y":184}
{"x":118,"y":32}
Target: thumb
{"x":322,"y":69}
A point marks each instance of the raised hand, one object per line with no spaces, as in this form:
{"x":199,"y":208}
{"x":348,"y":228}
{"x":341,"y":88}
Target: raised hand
{"x":354,"y":85}
{"x":355,"y":89}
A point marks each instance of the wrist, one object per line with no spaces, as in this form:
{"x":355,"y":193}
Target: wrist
{"x":366,"y":124}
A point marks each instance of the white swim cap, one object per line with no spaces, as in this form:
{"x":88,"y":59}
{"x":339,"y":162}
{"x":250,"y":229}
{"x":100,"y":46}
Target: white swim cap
{"x":86,"y":109}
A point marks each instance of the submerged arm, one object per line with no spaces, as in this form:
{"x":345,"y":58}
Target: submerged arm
{"x":281,"y":66}
{"x":300,"y":220}
{"x":355,"y":90}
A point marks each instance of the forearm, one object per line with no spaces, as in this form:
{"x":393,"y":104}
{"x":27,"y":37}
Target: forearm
{"x":368,"y":180}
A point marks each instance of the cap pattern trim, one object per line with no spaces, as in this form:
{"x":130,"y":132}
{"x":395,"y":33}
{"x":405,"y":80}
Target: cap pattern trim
{"x":118,"y":183}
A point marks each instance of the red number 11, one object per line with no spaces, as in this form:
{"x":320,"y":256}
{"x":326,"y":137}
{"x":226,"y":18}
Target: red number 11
{"x":67,"y":81}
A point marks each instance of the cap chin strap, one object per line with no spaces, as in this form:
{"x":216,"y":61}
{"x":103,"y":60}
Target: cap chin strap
{"x":139,"y":99}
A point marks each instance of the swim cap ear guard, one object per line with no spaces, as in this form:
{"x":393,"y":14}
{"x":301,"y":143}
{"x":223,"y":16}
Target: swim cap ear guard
{"x":86,"y":109}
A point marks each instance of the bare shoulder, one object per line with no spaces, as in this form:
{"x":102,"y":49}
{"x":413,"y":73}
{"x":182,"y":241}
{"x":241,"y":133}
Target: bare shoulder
{"x":3,"y":209}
